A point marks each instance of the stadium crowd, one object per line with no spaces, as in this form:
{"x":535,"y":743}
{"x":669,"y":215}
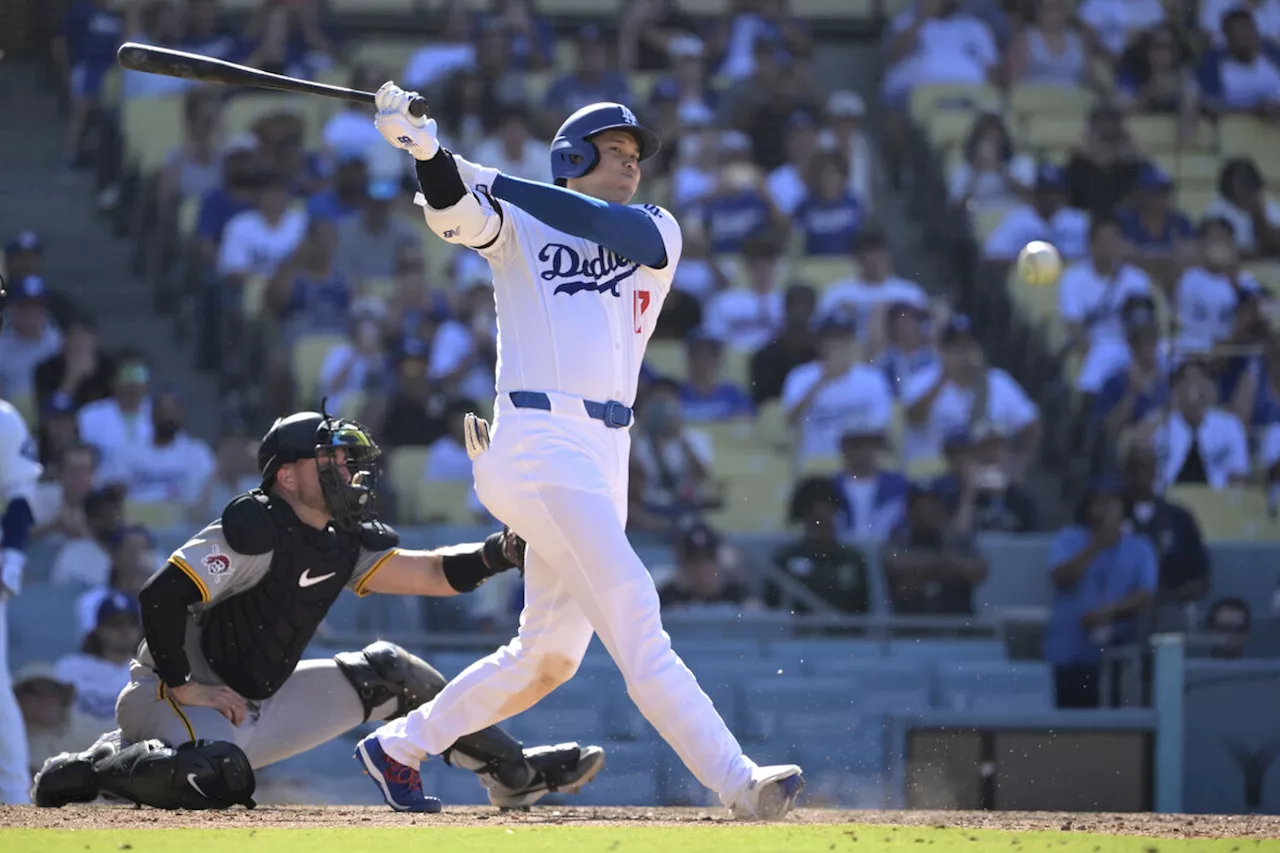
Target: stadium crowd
{"x":787,"y":316}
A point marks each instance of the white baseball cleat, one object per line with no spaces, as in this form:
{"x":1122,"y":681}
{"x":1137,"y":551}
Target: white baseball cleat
{"x":770,"y":794}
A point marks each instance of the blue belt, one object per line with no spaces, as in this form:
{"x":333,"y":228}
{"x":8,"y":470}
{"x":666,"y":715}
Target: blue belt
{"x":614,"y":414}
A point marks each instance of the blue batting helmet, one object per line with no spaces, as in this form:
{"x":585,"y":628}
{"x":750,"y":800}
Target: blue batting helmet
{"x":572,"y":152}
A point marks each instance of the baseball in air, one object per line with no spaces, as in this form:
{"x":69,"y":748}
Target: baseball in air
{"x":1039,"y":263}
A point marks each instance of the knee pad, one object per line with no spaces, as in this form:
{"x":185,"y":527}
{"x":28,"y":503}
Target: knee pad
{"x":196,"y":775}
{"x":382,"y":671}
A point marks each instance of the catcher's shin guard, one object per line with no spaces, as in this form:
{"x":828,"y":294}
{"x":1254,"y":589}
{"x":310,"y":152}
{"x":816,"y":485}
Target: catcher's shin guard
{"x":69,"y":778}
{"x":492,"y":752}
{"x":196,"y":775}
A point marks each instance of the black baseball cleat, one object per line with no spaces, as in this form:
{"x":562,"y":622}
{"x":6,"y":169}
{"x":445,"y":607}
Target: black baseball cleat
{"x":563,"y":768}
{"x":69,"y":777}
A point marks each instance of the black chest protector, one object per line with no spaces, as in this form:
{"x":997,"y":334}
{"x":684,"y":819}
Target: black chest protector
{"x":255,"y":638}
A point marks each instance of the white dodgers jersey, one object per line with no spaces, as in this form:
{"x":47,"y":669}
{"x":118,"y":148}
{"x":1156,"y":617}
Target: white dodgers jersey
{"x":20,"y":466}
{"x":573,"y":316}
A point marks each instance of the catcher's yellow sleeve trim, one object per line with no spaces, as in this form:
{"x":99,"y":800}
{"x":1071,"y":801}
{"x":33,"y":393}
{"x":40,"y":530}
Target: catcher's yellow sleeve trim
{"x":360,"y":588}
{"x":195,"y":577}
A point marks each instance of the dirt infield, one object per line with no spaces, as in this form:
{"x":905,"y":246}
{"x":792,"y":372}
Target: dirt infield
{"x":124,"y":817}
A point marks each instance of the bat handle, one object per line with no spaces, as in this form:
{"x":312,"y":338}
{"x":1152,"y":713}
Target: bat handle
{"x":418,"y":107}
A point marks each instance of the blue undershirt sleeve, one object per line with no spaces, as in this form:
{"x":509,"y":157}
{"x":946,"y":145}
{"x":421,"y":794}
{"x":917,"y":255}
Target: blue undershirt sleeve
{"x":16,"y":524}
{"x":624,"y":230}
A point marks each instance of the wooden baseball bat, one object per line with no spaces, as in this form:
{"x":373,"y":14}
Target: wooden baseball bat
{"x":193,"y":66}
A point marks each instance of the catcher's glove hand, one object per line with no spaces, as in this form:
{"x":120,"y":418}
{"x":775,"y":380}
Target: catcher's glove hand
{"x":513,"y":547}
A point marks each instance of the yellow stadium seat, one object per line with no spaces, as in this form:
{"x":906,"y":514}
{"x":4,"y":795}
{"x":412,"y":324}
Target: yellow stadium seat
{"x":1267,"y":273}
{"x":381,"y":289}
{"x":755,"y":501}
{"x":928,"y":100}
{"x":1235,"y":514}
{"x":736,"y":367}
{"x":986,"y":220}
{"x":704,"y":8}
{"x":1039,"y":305}
{"x":1039,"y":100}
{"x":581,"y":8}
{"x":404,"y":467}
{"x":155,"y":514}
{"x":1162,"y":133}
{"x":926,"y":468}
{"x":152,"y":127}
{"x":824,"y":271}
{"x":773,"y":427}
{"x":1193,"y":201}
{"x":668,"y":358}
{"x":950,"y":128}
{"x":1054,"y":131}
{"x":818,"y":466}
{"x":253,"y":295}
{"x":731,"y":439}
{"x":445,"y":502}
{"x":308,"y":357}
{"x":380,"y":7}
{"x":392,"y":54}
{"x":641,"y":85}
{"x":244,"y":110}
{"x":536,"y":84}
{"x":1199,"y":169}
{"x":846,"y":9}
{"x":188,"y":216}
{"x":1246,"y":136}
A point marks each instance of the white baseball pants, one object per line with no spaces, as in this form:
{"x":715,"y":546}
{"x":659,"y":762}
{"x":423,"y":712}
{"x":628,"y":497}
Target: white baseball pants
{"x":15,"y":774}
{"x":560,"y":480}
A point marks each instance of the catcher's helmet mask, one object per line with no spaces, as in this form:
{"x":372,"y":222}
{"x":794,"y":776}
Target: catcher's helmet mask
{"x":336,"y":444}
{"x":573,"y":154}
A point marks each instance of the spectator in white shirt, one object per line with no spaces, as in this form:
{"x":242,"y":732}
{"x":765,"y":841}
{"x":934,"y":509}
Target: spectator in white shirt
{"x":258,"y":241}
{"x":86,"y":561}
{"x":58,"y":507}
{"x":1243,"y":77}
{"x":1047,"y":218}
{"x":175,"y":466}
{"x":123,"y":420}
{"x":875,"y":285}
{"x":962,"y":390}
{"x":1266,"y":14}
{"x":451,"y":50}
{"x":1116,"y":23}
{"x":1091,"y":294}
{"x":747,"y":318}
{"x":512,"y":150}
{"x":355,"y":366}
{"x":826,"y":397}
{"x":27,"y":339}
{"x":1209,"y":294}
{"x":100,"y":670}
{"x":937,"y":43}
{"x":991,"y":174}
{"x":844,"y":115}
{"x":786,"y":184}
{"x":1051,"y":50}
{"x":1195,"y":441}
{"x":1243,"y":201}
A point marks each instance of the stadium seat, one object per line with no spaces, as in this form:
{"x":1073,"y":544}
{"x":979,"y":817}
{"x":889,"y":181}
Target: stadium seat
{"x":818,"y":466}
{"x":243,"y":111}
{"x":668,"y":358}
{"x":927,"y":100}
{"x":308,"y":357}
{"x":1037,"y":100}
{"x":994,"y":686}
{"x":844,"y":762}
{"x":883,"y":685}
{"x":1161,"y":133}
{"x":27,"y":408}
{"x":772,"y":426}
{"x":391,"y":54}
{"x":630,"y":778}
{"x":1194,"y":201}
{"x":822,"y":272}
{"x":986,"y":221}
{"x":736,"y":367}
{"x":379,"y":7}
{"x":152,"y":127}
{"x":820,"y":657}
{"x":1267,"y":273}
{"x":1246,"y":136}
{"x":581,"y":8}
{"x":942,"y":650}
{"x":755,"y":502}
{"x":1234,"y":514}
{"x":1053,"y":131}
{"x":188,"y":216}
{"x":404,"y":467}
{"x":767,"y":700}
{"x":926,"y":468}
{"x":950,"y":128}
{"x":445,"y":502}
{"x":158,"y":515}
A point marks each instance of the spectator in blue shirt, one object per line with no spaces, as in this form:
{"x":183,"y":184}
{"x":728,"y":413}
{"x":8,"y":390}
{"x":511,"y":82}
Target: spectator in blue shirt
{"x":1243,"y":77}
{"x":739,"y":205}
{"x":533,"y":38}
{"x":707,"y":397}
{"x":829,"y":215}
{"x":241,"y":181}
{"x":85,"y":52}
{"x":591,"y":81}
{"x":1142,"y":386}
{"x":346,"y":197}
{"x":1103,"y":579}
{"x":902,"y":345}
{"x":204,"y":33}
{"x":1152,"y":223}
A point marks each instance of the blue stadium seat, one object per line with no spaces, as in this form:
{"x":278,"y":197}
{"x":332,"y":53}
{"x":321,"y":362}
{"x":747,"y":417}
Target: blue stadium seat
{"x":881,"y":686}
{"x":995,"y":686}
{"x":766,"y":701}
{"x":795,"y":657}
{"x":844,"y":766}
{"x":947,"y":650}
{"x":630,"y":778}
{"x":42,"y":624}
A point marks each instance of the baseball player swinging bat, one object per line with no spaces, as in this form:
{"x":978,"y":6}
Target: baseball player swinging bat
{"x":193,"y":66}
{"x":580,"y":275}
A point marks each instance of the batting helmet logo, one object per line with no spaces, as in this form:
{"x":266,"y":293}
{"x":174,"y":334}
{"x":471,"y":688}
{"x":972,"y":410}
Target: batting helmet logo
{"x":572,"y":152}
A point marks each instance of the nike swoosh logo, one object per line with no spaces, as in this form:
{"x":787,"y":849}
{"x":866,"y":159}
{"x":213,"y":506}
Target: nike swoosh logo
{"x":306,"y":580}
{"x":191,"y":780}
